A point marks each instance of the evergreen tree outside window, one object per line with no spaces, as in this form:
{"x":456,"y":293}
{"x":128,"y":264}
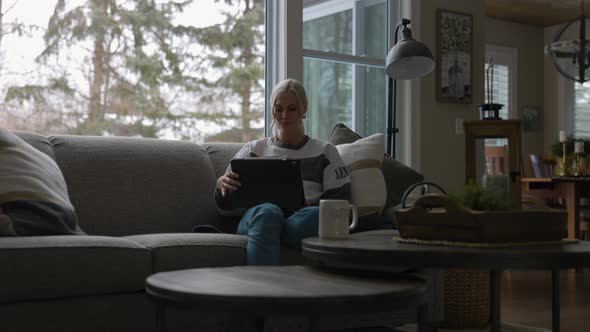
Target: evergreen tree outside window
{"x":190,"y":70}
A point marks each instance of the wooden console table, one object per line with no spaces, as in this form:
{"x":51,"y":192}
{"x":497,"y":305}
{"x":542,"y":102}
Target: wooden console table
{"x":569,"y":188}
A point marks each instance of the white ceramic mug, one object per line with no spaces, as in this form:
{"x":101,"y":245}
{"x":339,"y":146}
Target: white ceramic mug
{"x":334,"y":217}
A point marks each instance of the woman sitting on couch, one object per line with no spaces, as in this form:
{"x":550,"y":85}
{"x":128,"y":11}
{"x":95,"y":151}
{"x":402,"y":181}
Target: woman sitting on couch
{"x":324,"y":177}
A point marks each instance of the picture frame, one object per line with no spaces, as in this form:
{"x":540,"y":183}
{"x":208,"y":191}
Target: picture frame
{"x":454,"y":74}
{"x":531,"y":118}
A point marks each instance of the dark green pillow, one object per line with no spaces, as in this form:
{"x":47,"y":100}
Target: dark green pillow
{"x":341,"y":134}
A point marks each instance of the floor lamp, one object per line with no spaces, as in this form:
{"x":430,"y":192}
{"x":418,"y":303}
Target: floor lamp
{"x":406,"y":60}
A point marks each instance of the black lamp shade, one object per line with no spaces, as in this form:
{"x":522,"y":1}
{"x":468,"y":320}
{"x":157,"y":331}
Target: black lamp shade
{"x":409,"y":59}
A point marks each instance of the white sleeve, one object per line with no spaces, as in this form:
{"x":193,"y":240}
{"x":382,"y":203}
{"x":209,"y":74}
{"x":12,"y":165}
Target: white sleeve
{"x":242,"y":153}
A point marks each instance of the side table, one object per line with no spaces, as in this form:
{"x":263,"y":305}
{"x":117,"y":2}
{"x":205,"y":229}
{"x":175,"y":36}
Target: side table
{"x":282,"y":290}
{"x":379,"y":248}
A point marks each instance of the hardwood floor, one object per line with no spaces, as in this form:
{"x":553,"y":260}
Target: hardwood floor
{"x":526,"y":299}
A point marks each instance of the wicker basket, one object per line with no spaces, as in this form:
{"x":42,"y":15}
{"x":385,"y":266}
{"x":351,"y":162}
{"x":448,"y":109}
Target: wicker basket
{"x":436,"y":217}
{"x":466,"y":299}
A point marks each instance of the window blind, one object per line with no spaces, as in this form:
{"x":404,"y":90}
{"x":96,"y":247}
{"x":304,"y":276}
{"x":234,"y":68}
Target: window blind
{"x":500,"y":88}
{"x":582,"y":110}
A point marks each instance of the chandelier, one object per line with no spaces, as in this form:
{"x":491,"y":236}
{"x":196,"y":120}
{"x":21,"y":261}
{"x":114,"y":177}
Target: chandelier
{"x":571,"y":57}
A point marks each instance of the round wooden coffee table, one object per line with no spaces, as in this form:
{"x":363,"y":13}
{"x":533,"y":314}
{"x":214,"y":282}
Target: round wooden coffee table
{"x":376,"y":249}
{"x":282,"y":290}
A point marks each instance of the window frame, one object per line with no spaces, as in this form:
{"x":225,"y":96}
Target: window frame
{"x":285,"y":60}
{"x":357,"y":6}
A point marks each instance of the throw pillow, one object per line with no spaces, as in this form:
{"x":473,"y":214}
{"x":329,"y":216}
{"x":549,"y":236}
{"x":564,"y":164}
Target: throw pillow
{"x":363,"y":159}
{"x":341,"y":134}
{"x":33,"y":193}
{"x":398,"y":177}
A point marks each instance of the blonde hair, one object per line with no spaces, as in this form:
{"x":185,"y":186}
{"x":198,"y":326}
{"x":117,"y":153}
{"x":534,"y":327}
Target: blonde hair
{"x":288,"y":85}
{"x":291,"y":85}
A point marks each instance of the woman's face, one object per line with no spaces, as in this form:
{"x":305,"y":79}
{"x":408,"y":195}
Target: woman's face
{"x":286,"y":111}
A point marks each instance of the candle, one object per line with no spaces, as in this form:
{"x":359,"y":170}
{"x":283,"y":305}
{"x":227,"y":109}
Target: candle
{"x":579,"y":147}
{"x":562,"y":136}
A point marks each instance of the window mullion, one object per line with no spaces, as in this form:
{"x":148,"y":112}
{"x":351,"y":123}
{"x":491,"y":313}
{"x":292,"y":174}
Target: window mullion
{"x":344,"y":58}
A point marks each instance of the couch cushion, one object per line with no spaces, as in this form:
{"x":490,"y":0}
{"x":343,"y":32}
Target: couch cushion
{"x":124,"y":186}
{"x":43,"y":267}
{"x":193,"y":250}
{"x":220,"y":155}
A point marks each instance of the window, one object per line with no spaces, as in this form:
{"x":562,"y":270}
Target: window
{"x":503,"y":87}
{"x":498,"y":88}
{"x":582,"y":110}
{"x":344,"y":47}
{"x":190,"y":70}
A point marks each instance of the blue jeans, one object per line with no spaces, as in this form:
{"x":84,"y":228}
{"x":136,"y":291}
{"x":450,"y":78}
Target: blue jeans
{"x":267,"y":227}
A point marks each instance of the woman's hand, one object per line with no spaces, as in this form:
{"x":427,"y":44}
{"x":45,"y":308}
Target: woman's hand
{"x":227,"y":182}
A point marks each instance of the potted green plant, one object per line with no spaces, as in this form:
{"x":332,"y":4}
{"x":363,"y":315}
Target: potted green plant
{"x":477,"y":198}
{"x":478,"y":215}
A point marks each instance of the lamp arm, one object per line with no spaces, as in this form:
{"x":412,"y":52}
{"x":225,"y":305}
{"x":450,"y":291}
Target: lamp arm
{"x":391,"y":100}
{"x":396,"y":33}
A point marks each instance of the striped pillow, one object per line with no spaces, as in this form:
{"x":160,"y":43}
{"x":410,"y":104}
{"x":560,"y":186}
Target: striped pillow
{"x":363,"y":158}
{"x":34,"y":196}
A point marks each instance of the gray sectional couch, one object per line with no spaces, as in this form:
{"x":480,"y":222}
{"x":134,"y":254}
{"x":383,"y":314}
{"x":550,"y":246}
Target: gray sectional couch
{"x":137,"y":199}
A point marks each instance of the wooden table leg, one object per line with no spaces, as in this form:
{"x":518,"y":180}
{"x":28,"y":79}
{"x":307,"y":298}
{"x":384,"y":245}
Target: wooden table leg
{"x":260,"y":323}
{"x":314,"y":323}
{"x":160,"y":317}
{"x":571,"y":192}
{"x":572,"y":201}
{"x":495,"y":300}
{"x":422,"y":314}
{"x":555,"y":307}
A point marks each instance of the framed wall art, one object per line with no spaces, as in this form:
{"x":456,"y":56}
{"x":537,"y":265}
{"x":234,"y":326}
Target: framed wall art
{"x":531,"y":118}
{"x":454,"y":57}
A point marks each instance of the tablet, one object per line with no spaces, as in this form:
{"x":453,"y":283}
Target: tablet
{"x":266,"y":180}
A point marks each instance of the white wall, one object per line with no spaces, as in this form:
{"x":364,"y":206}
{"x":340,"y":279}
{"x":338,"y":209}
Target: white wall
{"x":442,"y":151}
{"x":528,"y":40}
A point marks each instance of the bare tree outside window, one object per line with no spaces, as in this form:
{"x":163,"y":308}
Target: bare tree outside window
{"x":131,"y":68}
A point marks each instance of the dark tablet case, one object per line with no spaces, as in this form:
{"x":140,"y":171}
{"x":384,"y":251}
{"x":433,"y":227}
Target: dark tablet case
{"x":263,"y":180}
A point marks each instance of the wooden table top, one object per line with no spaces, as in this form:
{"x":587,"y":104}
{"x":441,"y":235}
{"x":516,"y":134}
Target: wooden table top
{"x":557,"y":179}
{"x":379,"y":248}
{"x":283,"y":290}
